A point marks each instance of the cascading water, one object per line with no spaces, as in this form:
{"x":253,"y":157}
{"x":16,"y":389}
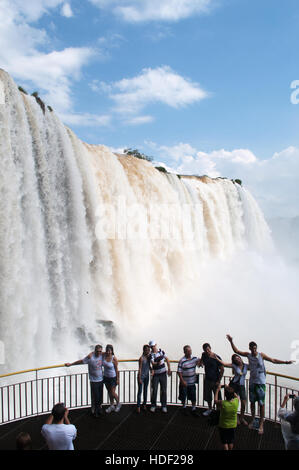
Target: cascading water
{"x":88,"y":237}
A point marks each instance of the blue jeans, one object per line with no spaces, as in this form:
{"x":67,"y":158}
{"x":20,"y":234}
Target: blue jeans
{"x":144,"y":386}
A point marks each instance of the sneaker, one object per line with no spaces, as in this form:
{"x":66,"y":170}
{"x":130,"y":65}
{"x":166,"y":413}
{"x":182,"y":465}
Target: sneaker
{"x":153,"y":409}
{"x":207,"y":412}
{"x":110,"y":408}
{"x":164,"y":409}
{"x":194,"y":412}
{"x":118,"y":407}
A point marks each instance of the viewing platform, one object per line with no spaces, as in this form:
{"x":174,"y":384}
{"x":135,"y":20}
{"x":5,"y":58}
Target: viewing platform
{"x":27,"y":397}
{"x":127,"y":430}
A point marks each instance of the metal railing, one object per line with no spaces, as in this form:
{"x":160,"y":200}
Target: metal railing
{"x":37,"y":395}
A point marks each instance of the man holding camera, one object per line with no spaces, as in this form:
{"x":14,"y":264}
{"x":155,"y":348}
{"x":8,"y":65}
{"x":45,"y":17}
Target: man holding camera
{"x":58,"y":432}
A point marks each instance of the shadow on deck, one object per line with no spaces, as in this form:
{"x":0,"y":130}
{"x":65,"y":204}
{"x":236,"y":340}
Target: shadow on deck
{"x":127,"y":430}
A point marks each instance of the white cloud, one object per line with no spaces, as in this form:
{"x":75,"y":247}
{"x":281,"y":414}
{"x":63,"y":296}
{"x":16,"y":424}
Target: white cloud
{"x":151,"y":86}
{"x":179,"y":151}
{"x":66,"y":10}
{"x":135,"y":11}
{"x":139,"y":120}
{"x":111,"y":41}
{"x":21,"y":55}
{"x":274,"y":181}
{"x":30,"y":10}
{"x":85,"y":119}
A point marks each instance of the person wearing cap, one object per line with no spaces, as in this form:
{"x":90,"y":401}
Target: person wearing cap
{"x":290,"y":423}
{"x":57,"y":431}
{"x":159,"y":375}
{"x":95,"y":372}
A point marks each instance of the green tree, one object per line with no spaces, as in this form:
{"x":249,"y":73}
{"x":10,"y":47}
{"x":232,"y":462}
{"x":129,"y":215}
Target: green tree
{"x":137,"y":154}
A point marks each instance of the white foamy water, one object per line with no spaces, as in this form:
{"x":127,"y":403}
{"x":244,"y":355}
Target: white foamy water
{"x":186,"y":259}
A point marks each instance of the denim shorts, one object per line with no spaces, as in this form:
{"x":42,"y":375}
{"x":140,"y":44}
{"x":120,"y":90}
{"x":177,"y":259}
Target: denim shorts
{"x":239,"y":390}
{"x":257,"y":393}
{"x":110,"y":381}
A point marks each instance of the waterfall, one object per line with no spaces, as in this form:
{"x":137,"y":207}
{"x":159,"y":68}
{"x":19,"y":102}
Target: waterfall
{"x":88,"y":237}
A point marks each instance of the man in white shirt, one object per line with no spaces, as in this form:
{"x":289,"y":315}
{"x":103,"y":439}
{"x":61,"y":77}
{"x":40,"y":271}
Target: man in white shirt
{"x":58,"y":432}
{"x":187,"y":374}
{"x":159,"y":375}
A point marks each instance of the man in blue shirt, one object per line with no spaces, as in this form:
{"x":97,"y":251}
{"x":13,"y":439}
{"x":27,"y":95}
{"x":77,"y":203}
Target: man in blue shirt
{"x":95,"y":370}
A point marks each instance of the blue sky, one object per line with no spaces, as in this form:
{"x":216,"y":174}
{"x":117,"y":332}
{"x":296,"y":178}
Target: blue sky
{"x":204,"y":86}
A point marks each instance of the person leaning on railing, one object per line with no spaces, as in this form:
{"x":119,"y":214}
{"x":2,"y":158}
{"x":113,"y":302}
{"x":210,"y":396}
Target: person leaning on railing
{"x":95,"y":372}
{"x":290,"y":423}
{"x":257,"y":380}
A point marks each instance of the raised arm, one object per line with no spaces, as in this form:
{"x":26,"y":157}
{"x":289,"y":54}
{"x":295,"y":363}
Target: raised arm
{"x":225,"y":364}
{"x":221,"y":373}
{"x":216,"y":401}
{"x":66,"y":417}
{"x":235,"y":349}
{"x":274,"y":361}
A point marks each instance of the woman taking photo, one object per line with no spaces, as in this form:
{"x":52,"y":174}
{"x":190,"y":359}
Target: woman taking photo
{"x":228,"y":416}
{"x":237,"y":383}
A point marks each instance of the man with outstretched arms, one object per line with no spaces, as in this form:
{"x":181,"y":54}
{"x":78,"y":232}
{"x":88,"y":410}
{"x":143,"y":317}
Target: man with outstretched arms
{"x":95,"y":371}
{"x":257,"y":380}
